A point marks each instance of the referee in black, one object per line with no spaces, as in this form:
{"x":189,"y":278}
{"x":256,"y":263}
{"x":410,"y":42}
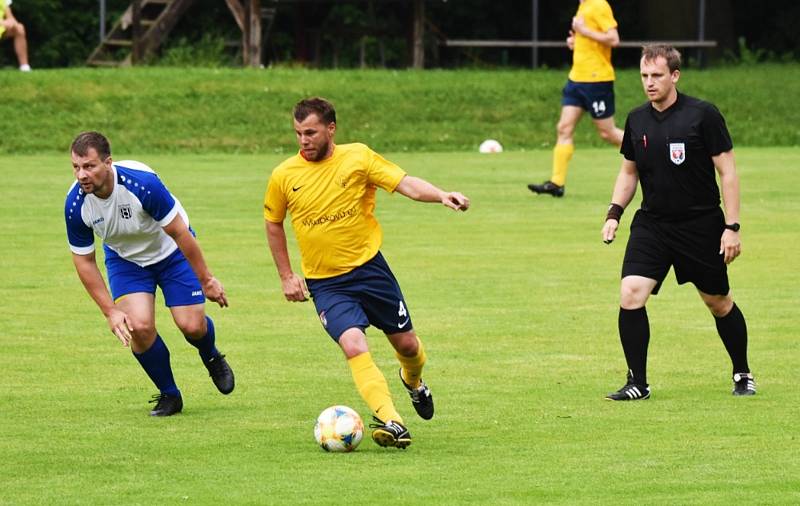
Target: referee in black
{"x":672,"y":144}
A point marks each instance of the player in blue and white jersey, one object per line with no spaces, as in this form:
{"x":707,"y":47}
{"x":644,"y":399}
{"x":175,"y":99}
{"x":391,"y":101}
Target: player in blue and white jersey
{"x":147,"y":243}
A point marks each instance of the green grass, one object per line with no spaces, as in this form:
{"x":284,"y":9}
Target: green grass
{"x":516,"y":302}
{"x":179,"y":110}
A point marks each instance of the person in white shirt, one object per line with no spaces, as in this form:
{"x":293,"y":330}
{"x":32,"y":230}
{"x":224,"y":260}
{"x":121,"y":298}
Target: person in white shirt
{"x":147,"y":242}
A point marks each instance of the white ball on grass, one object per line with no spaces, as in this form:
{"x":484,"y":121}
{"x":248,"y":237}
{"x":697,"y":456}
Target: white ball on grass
{"x":490,"y":146}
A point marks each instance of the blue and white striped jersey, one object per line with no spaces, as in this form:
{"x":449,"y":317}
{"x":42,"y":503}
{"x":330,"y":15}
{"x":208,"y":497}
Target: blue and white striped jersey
{"x":129,"y":221}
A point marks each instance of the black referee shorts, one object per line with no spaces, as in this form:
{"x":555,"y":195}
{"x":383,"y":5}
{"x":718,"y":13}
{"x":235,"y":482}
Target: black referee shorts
{"x":690,"y":246}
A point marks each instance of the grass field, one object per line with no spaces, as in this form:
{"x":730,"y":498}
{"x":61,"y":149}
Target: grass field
{"x":516,"y":302}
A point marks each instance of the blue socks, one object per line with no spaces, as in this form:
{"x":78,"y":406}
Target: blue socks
{"x":155,"y":362}
{"x":205,"y":345}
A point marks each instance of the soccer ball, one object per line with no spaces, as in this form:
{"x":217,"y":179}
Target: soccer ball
{"x":339,"y":429}
{"x":490,"y":146}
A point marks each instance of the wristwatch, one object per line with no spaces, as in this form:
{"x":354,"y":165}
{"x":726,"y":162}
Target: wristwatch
{"x":733,"y":226}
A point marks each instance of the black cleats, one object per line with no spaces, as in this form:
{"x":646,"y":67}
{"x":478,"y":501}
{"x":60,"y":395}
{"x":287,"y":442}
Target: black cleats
{"x":166,"y":405}
{"x":547,"y":187}
{"x":630,"y":392}
{"x":421,"y":398}
{"x":390,"y":434}
{"x":221,"y":373}
{"x":744,"y":384}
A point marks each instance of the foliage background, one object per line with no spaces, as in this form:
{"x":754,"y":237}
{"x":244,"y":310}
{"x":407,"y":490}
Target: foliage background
{"x":330,"y":34}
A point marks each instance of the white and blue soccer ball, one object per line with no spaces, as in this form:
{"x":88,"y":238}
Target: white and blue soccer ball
{"x":339,"y":429}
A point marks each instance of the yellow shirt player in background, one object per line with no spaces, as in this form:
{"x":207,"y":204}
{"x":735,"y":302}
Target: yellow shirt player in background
{"x":10,"y":28}
{"x":329,"y":190}
{"x":590,"y":87}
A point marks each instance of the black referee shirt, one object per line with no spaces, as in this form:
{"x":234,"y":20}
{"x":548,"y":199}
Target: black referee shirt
{"x":672,"y":150}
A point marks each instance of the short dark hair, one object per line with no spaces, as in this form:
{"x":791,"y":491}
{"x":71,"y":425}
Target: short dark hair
{"x":88,"y":140}
{"x":669,"y":53}
{"x":315,"y":105}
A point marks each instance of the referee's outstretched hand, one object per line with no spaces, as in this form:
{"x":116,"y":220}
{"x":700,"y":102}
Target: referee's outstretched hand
{"x":730,"y":245}
{"x":610,"y":231}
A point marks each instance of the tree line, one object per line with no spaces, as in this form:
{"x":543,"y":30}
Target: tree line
{"x":377,"y":33}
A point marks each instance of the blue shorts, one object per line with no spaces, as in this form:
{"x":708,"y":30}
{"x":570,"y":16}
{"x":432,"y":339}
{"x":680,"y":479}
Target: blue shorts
{"x":174,"y":275}
{"x":367,"y":295}
{"x":597,"y":98}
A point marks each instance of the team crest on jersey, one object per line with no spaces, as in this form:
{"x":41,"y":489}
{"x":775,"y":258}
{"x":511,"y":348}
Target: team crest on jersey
{"x":323,"y":319}
{"x":677,"y":152}
{"x":125,"y":211}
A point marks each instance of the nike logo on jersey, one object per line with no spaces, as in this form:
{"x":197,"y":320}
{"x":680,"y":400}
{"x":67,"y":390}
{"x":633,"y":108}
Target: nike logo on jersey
{"x":403,"y":324}
{"x":295,"y":188}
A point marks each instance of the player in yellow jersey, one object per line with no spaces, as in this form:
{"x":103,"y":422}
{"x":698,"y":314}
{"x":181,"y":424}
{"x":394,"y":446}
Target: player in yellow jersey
{"x":590,"y":87}
{"x":329,"y":190}
{"x":10,"y":28}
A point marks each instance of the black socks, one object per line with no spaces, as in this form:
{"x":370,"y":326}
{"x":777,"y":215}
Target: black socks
{"x":733,"y":332}
{"x":634,"y":333}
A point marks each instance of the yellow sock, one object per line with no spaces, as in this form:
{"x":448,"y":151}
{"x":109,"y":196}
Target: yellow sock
{"x":373,"y":387}
{"x":562,"y":154}
{"x":412,"y":366}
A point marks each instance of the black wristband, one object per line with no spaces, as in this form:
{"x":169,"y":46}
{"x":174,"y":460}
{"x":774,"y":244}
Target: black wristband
{"x":614,"y":212}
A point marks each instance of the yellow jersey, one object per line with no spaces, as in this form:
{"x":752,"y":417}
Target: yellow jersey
{"x":332,"y":203}
{"x":591,"y":60}
{"x":4,"y":4}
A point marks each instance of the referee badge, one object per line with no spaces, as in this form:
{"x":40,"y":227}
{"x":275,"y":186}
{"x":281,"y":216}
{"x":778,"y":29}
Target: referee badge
{"x":677,"y":152}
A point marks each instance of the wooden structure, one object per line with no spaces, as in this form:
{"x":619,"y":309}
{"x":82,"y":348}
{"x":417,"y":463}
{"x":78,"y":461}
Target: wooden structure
{"x":145,"y":25}
{"x":561,"y":43}
{"x":534,"y":43}
{"x":418,"y":35}
{"x":248,"y":15}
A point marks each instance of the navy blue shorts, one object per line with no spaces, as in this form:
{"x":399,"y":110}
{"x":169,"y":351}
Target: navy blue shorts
{"x":597,"y":98}
{"x":691,"y":247}
{"x":367,"y":295}
{"x":174,"y":275}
